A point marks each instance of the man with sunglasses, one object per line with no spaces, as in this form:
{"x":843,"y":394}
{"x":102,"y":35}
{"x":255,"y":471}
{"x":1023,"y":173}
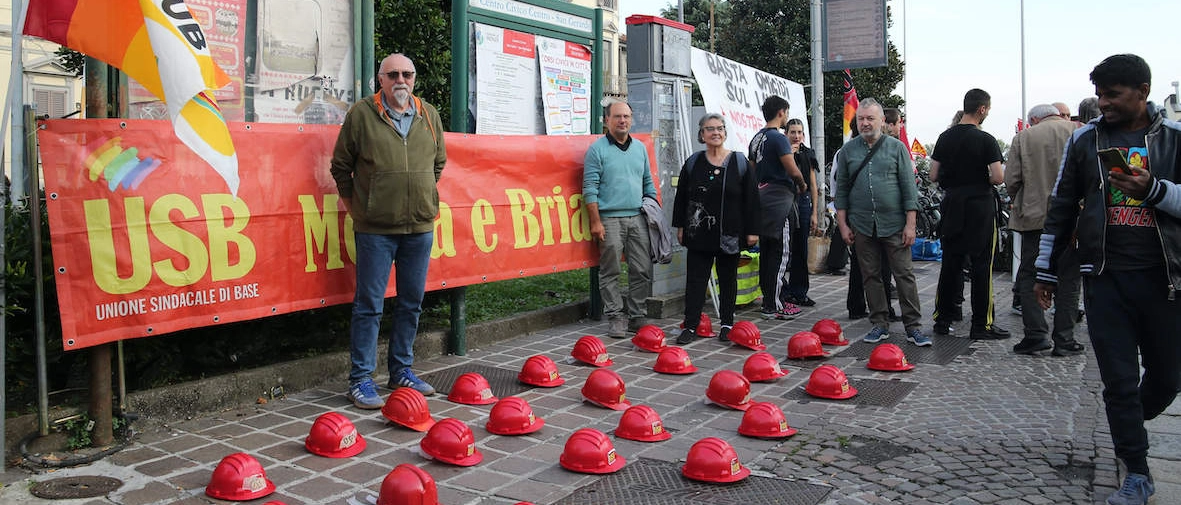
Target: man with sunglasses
{"x":387,"y":162}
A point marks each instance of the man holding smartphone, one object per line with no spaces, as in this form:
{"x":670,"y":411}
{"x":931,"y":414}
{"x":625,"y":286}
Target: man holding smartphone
{"x":1129,"y":250}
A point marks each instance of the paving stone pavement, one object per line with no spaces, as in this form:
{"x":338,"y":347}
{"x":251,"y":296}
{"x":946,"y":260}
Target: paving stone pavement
{"x":990,"y":427}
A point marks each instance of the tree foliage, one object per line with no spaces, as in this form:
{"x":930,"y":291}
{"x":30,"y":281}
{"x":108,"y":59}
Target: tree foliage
{"x":420,"y":29}
{"x":775,"y":36}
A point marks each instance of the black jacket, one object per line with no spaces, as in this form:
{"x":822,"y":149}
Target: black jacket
{"x":1083,"y":178}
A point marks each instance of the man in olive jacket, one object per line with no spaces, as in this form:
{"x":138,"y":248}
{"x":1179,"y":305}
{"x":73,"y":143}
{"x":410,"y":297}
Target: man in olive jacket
{"x":387,"y":163}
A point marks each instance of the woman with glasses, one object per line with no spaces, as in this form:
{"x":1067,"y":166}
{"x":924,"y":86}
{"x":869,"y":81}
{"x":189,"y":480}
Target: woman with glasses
{"x":716,"y":214}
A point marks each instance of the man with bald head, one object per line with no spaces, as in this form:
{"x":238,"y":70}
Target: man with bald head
{"x":387,"y":162}
{"x":877,"y":203}
{"x":1032,"y":168}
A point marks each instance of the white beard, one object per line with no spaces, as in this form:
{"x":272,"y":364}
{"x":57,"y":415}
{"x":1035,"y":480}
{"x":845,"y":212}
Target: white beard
{"x":401,"y":97}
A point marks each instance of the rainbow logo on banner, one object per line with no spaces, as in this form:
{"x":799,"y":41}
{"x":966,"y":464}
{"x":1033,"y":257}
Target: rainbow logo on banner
{"x":160,"y":45}
{"x":119,"y":166}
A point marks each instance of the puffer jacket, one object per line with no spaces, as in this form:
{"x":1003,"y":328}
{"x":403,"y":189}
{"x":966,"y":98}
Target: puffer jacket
{"x":1083,"y":178}
{"x":389,"y":179}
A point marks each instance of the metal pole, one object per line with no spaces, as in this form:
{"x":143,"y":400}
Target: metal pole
{"x":680,"y":11}
{"x":99,"y":104}
{"x":368,"y":61}
{"x":38,"y":292}
{"x":1023,"y":108}
{"x":16,"y":92}
{"x":818,"y":92}
{"x":904,"y":48}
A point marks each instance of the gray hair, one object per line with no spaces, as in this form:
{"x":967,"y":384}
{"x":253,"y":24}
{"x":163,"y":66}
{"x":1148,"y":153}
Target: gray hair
{"x":870,"y":102}
{"x":1042,"y":111}
{"x":1088,"y":109}
{"x":701,"y":124}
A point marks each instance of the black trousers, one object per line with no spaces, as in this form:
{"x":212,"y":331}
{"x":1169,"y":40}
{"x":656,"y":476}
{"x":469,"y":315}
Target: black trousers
{"x":950,"y":291}
{"x":774,"y":259}
{"x":797,"y":284}
{"x":698,"y":268}
{"x":1133,"y":322}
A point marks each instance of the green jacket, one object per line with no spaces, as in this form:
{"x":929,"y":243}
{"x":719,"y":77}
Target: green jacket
{"x":877,"y":199}
{"x":390,"y":180}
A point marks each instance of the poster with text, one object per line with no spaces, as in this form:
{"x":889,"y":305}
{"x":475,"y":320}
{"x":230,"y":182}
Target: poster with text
{"x":565,"y":86}
{"x":506,"y":82}
{"x":305,"y":61}
{"x":737,"y":92}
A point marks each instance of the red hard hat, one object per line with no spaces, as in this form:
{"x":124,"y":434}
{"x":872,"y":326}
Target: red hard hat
{"x":605,"y":388}
{"x":239,"y":477}
{"x":408,"y":408}
{"x":830,"y":332}
{"x":765,"y":420}
{"x":540,"y":371}
{"x":713,"y":460}
{"x":729,"y":389}
{"x":642,"y":424}
{"x":649,"y":338}
{"x":828,"y":381}
{"x":590,"y":451}
{"x":334,"y":436}
{"x":805,"y":344}
{"x":451,"y":441}
{"x":513,"y":416}
{"x":746,"y":334}
{"x":590,"y":350}
{"x":762,"y":366}
{"x":888,"y":358}
{"x":472,"y":389}
{"x":705,"y":327}
{"x":407,"y":484}
{"x":674,"y":360}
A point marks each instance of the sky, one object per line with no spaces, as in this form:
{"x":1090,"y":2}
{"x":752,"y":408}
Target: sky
{"x":957,"y":45}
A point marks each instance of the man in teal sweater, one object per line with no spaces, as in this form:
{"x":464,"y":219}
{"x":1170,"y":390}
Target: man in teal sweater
{"x":615,"y":180}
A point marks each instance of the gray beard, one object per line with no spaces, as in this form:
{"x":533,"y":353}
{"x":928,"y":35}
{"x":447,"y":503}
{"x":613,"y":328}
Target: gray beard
{"x":401,"y":97}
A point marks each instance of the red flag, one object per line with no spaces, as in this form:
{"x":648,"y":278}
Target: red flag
{"x":1020,"y":124}
{"x":902,"y":136}
{"x":851,"y":104}
{"x":917,"y":149}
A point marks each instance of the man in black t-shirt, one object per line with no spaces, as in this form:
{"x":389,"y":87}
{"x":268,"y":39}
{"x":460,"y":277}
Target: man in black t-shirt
{"x":1129,"y":252}
{"x":779,"y":182}
{"x":966,"y":162}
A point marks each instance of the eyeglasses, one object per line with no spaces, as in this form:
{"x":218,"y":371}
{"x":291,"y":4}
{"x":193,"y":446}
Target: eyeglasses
{"x":406,"y":74}
{"x":712,"y":129}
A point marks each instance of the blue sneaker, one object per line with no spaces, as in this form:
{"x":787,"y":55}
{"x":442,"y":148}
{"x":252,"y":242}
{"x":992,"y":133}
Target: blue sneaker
{"x":405,"y":378}
{"x":877,"y":334}
{"x":916,"y":337}
{"x":364,"y":395}
{"x":1135,"y":491}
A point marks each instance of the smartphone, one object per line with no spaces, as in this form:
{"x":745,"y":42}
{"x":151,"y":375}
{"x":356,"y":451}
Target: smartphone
{"x":1113,"y":160}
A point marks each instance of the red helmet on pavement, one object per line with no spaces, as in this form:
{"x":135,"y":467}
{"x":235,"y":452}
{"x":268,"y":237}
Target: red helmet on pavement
{"x":805,"y":344}
{"x":605,"y":388}
{"x":830,"y":332}
{"x":729,"y":389}
{"x":239,"y":477}
{"x":888,"y":358}
{"x":451,"y":441}
{"x":334,"y":436}
{"x":746,"y":334}
{"x":590,"y":451}
{"x":649,"y":338}
{"x":828,"y":381}
{"x":713,"y":460}
{"x":674,"y":360}
{"x":407,"y":484}
{"x":642,"y":424}
{"x":540,"y":371}
{"x":472,"y":389}
{"x":408,"y":407}
{"x":765,"y":420}
{"x":590,"y":350}
{"x":762,"y":366}
{"x":705,"y":327}
{"x":513,"y":416}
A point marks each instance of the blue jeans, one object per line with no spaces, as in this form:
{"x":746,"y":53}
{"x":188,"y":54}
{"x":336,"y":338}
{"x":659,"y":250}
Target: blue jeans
{"x":376,"y":254}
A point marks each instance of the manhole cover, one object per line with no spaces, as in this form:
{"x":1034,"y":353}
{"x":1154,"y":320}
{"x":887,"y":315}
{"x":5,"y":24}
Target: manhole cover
{"x":652,"y":482}
{"x":875,"y":392}
{"x":871,"y":451}
{"x":944,"y":351}
{"x":84,"y":486}
{"x":504,"y":382}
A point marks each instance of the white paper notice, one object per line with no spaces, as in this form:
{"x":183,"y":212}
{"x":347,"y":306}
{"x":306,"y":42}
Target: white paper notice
{"x":506,"y":82}
{"x":737,"y":92}
{"x":565,"y":86}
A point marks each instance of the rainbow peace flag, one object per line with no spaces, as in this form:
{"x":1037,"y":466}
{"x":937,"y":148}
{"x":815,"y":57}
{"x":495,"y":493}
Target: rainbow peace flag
{"x":851,"y":104}
{"x":160,"y":45}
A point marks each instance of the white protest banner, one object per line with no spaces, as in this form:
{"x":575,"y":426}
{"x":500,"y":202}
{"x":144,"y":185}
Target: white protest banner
{"x":737,"y":91}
